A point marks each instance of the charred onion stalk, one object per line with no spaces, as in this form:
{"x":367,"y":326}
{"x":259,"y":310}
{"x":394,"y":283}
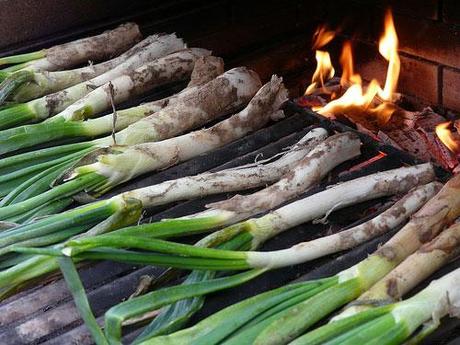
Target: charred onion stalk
{"x":240,"y":237}
{"x":395,"y":181}
{"x":339,"y":196}
{"x":412,"y":271}
{"x":47,"y":106}
{"x":107,"y":214}
{"x":143,"y":158}
{"x":60,"y":127}
{"x":290,"y":317}
{"x":394,"y":323}
{"x":25,"y":85}
{"x":95,"y":48}
{"x":191,"y":108}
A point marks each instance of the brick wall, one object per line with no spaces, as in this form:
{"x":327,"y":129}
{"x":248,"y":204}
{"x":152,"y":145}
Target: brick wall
{"x":270,"y":36}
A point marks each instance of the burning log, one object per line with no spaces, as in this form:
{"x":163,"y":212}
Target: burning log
{"x":417,"y":136}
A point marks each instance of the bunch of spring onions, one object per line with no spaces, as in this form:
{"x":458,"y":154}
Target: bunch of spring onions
{"x":118,"y":164}
{"x":96,"y":48}
{"x":388,"y":322}
{"x":248,"y":234}
{"x":26,"y":84}
{"x":413,"y":270}
{"x":68,"y":123}
{"x":29,"y":174}
{"x":125,"y":209}
{"x":282,"y":315}
{"x":144,"y":54}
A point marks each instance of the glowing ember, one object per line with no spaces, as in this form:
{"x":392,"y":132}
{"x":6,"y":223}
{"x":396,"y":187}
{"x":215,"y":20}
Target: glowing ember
{"x":370,"y":161}
{"x":447,"y":137}
{"x":371,"y":103}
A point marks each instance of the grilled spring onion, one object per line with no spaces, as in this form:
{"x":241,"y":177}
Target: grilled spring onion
{"x":121,"y":164}
{"x":424,"y":225}
{"x":394,"y":323}
{"x":44,"y":107}
{"x":272,"y":224}
{"x":96,"y":48}
{"x":191,"y":98}
{"x":288,"y":320}
{"x":191,"y":108}
{"x":25,"y":85}
{"x":55,"y":228}
{"x":413,"y":270}
{"x":172,"y":318}
{"x":29,"y":174}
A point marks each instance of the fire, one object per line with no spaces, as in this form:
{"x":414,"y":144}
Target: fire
{"x":322,"y":36}
{"x":358,"y":100}
{"x":346,"y":61}
{"x":447,"y":137}
{"x":388,"y":48}
{"x":324,"y":69}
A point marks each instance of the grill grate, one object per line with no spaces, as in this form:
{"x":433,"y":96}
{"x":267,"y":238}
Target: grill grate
{"x":46,"y":314}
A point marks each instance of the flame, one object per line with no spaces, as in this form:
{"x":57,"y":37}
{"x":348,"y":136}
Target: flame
{"x":324,"y":71}
{"x":322,"y":36}
{"x":372,"y":100}
{"x":388,"y":48}
{"x":346,"y":61}
{"x":446,"y":136}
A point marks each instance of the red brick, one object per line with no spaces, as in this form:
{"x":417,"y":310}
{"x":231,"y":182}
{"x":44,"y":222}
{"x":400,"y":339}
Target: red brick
{"x":430,"y":40}
{"x":420,"y":79}
{"x":450,"y":89}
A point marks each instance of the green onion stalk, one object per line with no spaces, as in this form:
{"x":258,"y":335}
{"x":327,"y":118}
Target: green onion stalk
{"x":61,"y":226}
{"x":251,"y":233}
{"x":95,"y":48}
{"x":174,"y":67}
{"x":25,"y":85}
{"x":29,"y":174}
{"x":4,"y":75}
{"x":284,"y":325}
{"x":118,"y":164}
{"x":61,"y":127}
{"x":44,"y":107}
{"x":412,"y":271}
{"x":50,"y":230}
{"x":394,"y":323}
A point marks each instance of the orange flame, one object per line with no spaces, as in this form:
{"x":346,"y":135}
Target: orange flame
{"x":447,"y":138}
{"x":371,"y":100}
{"x":324,"y":70}
{"x":322,"y":36}
{"x":346,"y":61}
{"x":388,"y":48}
